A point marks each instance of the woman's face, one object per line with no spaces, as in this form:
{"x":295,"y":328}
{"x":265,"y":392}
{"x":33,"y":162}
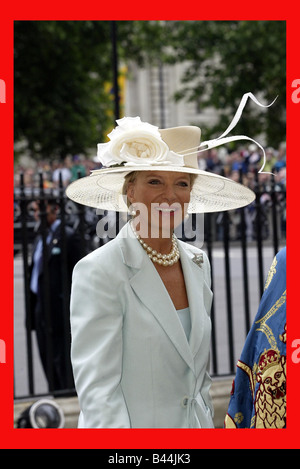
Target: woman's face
{"x":161,"y":199}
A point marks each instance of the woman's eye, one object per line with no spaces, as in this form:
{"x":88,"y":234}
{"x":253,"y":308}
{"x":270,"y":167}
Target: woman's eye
{"x":154,"y":181}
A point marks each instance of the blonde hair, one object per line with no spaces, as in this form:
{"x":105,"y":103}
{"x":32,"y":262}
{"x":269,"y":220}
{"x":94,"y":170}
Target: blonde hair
{"x":131,"y":177}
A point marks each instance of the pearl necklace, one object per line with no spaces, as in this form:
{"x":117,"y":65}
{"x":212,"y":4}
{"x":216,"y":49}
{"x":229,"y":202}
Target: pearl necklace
{"x":161,"y":259}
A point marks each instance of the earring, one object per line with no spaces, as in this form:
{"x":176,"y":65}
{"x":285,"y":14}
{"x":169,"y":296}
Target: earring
{"x":132,"y":212}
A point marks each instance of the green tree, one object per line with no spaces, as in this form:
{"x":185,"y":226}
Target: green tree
{"x":60,"y":71}
{"x":62,"y":67}
{"x":225,"y":59}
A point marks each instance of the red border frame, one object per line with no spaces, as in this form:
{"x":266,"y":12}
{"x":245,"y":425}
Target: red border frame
{"x":148,"y":438}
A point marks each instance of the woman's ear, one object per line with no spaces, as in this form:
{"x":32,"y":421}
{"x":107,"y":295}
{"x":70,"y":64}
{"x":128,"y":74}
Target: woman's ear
{"x":130,"y":192}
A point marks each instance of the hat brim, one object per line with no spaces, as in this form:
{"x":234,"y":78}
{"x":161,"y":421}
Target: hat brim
{"x":210,"y":193}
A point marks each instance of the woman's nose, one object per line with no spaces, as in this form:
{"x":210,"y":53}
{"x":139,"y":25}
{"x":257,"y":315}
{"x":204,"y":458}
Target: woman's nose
{"x":169,"y":193}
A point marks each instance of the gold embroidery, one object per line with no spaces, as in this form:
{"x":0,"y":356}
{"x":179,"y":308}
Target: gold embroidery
{"x":229,"y":422}
{"x":238,"y":418}
{"x":252,"y":424}
{"x":271,"y":273}
{"x":249,"y":373}
{"x":262,"y":322}
{"x":270,"y":399}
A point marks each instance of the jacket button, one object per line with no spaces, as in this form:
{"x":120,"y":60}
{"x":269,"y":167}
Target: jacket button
{"x":185,"y":401}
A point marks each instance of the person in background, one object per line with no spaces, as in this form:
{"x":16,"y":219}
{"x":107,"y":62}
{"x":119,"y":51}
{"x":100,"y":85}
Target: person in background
{"x":258,"y":396}
{"x":77,"y":169}
{"x":57,"y":368}
{"x":61,"y":170}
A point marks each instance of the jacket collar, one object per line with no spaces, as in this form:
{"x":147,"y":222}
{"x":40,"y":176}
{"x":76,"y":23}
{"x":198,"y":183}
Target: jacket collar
{"x":145,"y":280}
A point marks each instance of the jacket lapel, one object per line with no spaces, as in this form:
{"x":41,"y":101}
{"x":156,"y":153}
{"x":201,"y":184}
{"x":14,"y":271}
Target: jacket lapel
{"x":193,"y":276}
{"x":145,"y":280}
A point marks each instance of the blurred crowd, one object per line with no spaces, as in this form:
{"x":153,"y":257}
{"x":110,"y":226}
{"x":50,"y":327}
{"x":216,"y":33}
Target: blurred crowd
{"x":69,"y":169}
{"x":241,"y":164}
{"x":246,"y":160}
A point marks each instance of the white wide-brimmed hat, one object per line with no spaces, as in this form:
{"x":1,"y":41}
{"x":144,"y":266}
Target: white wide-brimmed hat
{"x":138,"y":146}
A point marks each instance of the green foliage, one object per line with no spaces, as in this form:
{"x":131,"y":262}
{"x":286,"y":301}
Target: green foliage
{"x":60,"y":71}
{"x":61,"y":67}
{"x":228,"y":59}
{"x":225,"y":60}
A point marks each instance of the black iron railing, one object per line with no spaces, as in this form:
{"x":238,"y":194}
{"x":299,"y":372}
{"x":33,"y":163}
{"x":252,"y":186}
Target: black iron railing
{"x":257,"y":226}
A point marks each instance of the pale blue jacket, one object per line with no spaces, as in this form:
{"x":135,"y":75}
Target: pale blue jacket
{"x":133,"y":365}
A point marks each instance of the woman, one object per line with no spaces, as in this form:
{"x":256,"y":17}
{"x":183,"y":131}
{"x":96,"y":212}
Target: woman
{"x":140,"y":304}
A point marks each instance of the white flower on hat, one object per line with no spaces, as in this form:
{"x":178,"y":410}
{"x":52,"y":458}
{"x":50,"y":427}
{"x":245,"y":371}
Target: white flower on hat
{"x":134,"y":142}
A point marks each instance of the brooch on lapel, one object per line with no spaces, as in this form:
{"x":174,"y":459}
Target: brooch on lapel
{"x":198,"y":259}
